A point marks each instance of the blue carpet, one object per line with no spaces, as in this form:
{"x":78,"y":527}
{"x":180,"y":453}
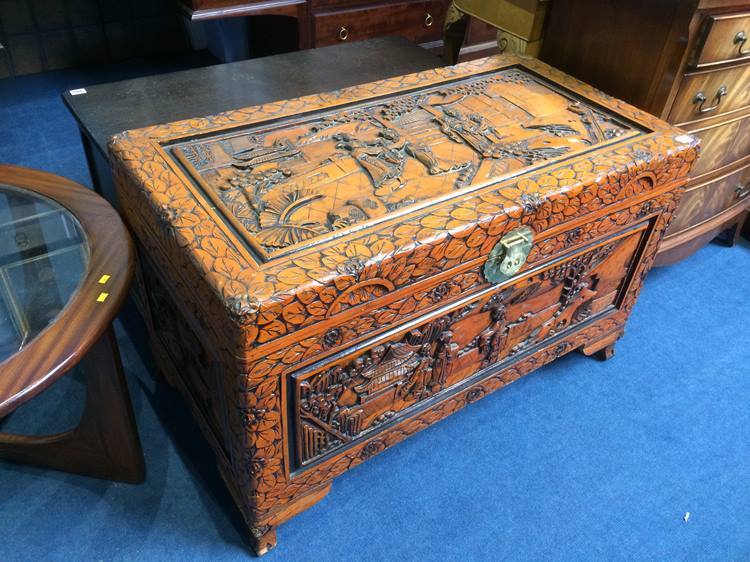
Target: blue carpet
{"x":580,"y":461}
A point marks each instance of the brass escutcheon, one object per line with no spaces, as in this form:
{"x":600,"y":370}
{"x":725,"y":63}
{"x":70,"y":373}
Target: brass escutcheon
{"x":509,"y":255}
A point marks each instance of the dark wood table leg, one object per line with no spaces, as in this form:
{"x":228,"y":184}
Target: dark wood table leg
{"x":454,"y":33}
{"x":105,"y":444}
{"x":88,"y":150}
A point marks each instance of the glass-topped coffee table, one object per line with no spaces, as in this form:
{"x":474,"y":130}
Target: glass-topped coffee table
{"x":66,"y":262}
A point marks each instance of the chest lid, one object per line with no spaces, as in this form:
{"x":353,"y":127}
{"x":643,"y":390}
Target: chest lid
{"x":303,"y":199}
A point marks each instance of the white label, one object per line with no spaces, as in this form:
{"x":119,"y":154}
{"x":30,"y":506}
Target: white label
{"x":78,"y":92}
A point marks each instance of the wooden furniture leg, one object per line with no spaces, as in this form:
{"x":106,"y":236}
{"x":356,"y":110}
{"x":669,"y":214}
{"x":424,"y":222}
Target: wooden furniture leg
{"x":105,"y":444}
{"x":603,"y":349}
{"x":263,"y":539}
{"x":455,"y":27}
{"x":263,"y":536}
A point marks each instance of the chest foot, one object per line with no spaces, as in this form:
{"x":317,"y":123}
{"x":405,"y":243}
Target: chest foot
{"x":603,"y":349}
{"x":263,"y":539}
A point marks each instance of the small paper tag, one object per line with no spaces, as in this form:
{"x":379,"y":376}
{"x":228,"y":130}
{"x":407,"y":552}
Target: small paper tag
{"x":78,"y":91}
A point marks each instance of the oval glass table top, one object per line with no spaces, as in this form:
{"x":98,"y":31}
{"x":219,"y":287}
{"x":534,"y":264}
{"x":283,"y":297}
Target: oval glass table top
{"x":44,"y":257}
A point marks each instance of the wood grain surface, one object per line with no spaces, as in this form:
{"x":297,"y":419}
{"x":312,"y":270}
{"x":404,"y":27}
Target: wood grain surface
{"x":684,"y":60}
{"x":84,"y":320}
{"x":314,"y":269}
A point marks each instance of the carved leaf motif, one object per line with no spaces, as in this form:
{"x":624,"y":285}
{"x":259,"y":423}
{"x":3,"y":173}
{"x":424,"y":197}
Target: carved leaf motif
{"x":476,"y":238}
{"x":344,"y":282}
{"x":430,"y":221}
{"x":423,"y":267}
{"x":293,"y":355}
{"x":386,"y":317}
{"x":269,"y":314}
{"x":215,"y":247}
{"x":317,"y":309}
{"x":382,"y":247}
{"x":328,"y":294}
{"x":227,"y":267}
{"x":271,"y":331}
{"x":294,"y":313}
{"x":455,"y":249}
{"x":292,"y":276}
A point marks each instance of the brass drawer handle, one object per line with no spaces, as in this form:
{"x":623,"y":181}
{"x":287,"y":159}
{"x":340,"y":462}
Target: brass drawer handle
{"x":700,"y":98}
{"x":428,"y":20}
{"x":343,"y":34}
{"x":742,"y":191}
{"x":740,"y":39}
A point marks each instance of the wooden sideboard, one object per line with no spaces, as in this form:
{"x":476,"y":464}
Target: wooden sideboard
{"x":327,"y":22}
{"x":687,"y":61}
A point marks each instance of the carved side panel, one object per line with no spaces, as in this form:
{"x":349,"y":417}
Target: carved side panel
{"x":189,"y":357}
{"x":337,"y":404}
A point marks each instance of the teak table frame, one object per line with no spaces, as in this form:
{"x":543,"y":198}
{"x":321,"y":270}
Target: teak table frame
{"x":105,"y":444}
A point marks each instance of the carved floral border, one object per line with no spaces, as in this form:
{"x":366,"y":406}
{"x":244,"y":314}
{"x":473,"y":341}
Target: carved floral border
{"x":243,"y":308}
{"x":274,"y":300}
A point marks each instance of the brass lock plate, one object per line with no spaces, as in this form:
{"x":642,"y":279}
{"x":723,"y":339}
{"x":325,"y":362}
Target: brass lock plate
{"x":509,"y":255}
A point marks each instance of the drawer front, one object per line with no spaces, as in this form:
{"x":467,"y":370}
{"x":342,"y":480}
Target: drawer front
{"x":359,"y":392}
{"x":704,"y":201}
{"x":708,"y":94}
{"x":417,"y":21}
{"x":722,"y":145}
{"x":725,"y":37}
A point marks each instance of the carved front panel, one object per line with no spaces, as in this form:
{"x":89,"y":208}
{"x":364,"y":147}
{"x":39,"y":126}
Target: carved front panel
{"x":341,"y":402}
{"x":307,"y":179}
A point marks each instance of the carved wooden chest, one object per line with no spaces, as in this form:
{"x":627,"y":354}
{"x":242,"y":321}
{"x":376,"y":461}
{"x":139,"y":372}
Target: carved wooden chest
{"x":325,"y":276}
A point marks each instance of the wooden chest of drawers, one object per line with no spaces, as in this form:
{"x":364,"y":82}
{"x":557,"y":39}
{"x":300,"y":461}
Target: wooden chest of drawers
{"x":324,"y":277}
{"x":327,"y":22}
{"x":687,"y":61}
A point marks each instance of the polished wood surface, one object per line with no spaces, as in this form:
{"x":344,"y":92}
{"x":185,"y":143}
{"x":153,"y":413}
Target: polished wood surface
{"x":325,"y":276}
{"x":327,"y":22}
{"x":420,"y":22}
{"x":84,"y":320}
{"x":105,"y":444}
{"x":724,"y":143}
{"x":682,"y":60}
{"x":199,"y":10}
{"x":519,"y":24}
{"x":703,"y":201}
{"x":108,"y":109}
{"x":725,"y":37}
{"x":705,"y":95}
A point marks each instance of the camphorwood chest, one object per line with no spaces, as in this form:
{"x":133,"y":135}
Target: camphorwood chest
{"x":325,"y":276}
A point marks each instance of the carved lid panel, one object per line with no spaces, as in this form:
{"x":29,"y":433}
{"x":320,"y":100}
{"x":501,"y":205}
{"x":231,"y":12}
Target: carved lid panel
{"x":286,"y":219}
{"x":295,"y":181}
